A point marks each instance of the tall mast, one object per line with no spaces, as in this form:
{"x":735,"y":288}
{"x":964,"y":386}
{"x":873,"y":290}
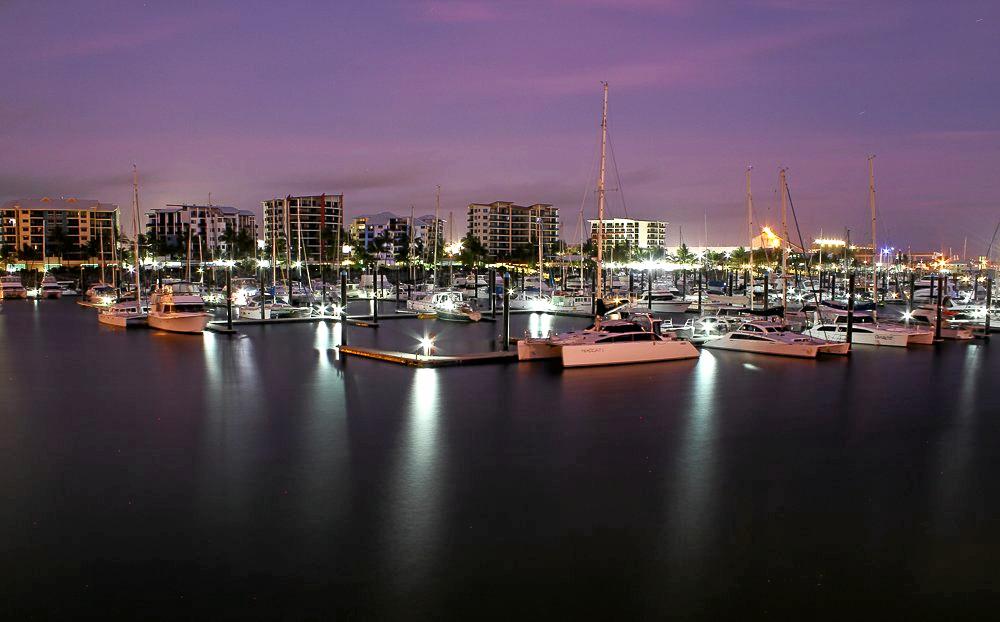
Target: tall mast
{"x":600,"y":195}
{"x":540,"y":258}
{"x":871,"y":203}
{"x":409,"y":251}
{"x":190,"y":233}
{"x":135,"y":244}
{"x":784,"y":240}
{"x":753,"y":280}
{"x":100,"y":238}
{"x":437,"y":221}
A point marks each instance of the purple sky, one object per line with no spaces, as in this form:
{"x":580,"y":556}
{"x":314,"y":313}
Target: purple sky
{"x":501,"y":100}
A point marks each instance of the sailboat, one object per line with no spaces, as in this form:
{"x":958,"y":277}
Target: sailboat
{"x":129,"y":313}
{"x":634,"y":339}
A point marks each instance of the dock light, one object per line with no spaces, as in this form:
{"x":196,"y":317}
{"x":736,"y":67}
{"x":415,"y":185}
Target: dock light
{"x":427,"y":344}
{"x":338,"y":310}
{"x":907,"y":316}
{"x":297,"y":264}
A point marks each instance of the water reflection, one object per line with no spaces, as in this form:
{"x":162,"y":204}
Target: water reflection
{"x":539,"y":324}
{"x":691,"y":506}
{"x":416,"y":486}
{"x":957,"y":444}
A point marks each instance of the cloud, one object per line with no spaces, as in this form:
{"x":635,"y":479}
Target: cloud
{"x":459,"y":11}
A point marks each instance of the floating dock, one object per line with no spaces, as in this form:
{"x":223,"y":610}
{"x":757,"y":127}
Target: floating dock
{"x":432,"y":360}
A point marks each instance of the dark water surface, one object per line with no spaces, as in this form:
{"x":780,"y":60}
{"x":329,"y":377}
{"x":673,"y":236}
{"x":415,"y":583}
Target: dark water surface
{"x":151,"y":475}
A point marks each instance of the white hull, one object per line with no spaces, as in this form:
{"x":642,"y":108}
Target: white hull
{"x":624,"y":353}
{"x":798,"y":350}
{"x":122,"y":320}
{"x":179,"y":322}
{"x":532,"y":350}
{"x":676,"y":306}
{"x":877,"y":338}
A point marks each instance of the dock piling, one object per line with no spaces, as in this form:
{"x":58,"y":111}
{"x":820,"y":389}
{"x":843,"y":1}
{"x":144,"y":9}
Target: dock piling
{"x":506,"y":311}
{"x":850,"y":309}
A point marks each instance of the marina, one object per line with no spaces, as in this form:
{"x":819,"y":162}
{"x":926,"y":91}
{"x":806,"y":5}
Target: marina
{"x":484,"y":310}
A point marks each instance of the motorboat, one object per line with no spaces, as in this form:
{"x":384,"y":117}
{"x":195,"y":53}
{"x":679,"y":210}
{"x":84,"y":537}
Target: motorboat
{"x":572,"y":302}
{"x":430,"y":301}
{"x":925,"y":316}
{"x":12,"y":287}
{"x":766,"y":337}
{"x":69,"y":288}
{"x":99,"y":295}
{"x":524,"y":301}
{"x":272,"y":310}
{"x":865,"y":330}
{"x":662,"y":301}
{"x":128,"y":314}
{"x":50,"y":288}
{"x":457,"y":312}
{"x":178,"y":308}
{"x":610,"y":342}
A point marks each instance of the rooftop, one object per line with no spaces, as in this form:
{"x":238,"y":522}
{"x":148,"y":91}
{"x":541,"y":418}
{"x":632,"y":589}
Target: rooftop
{"x":68,"y":204}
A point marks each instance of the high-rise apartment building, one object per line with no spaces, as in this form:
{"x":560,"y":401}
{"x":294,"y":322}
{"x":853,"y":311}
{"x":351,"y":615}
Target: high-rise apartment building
{"x":639,"y":234}
{"x":503,"y":227}
{"x":299,"y":221}
{"x":208,"y":224}
{"x":71,"y":228}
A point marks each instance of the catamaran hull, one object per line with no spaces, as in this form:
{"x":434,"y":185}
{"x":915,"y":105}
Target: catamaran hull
{"x":808,"y":351}
{"x":625,"y":353}
{"x":528,"y":350}
{"x":679,"y":306}
{"x":122,"y":321}
{"x":899,"y":340}
{"x":189,"y":323}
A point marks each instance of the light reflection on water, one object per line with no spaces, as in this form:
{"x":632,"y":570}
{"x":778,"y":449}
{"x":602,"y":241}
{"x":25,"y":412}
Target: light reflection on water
{"x":539,"y":324}
{"x":416,"y":486}
{"x":691,"y":516}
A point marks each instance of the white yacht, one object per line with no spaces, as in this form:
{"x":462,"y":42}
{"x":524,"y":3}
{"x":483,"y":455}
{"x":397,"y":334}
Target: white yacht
{"x":178,"y":308}
{"x":12,"y":287}
{"x":68,"y":288}
{"x":925,"y":316}
{"x":50,"y":288}
{"x":611,"y":342}
{"x":128,"y":314}
{"x":430,"y":301}
{"x":99,"y":294}
{"x":866,"y":330}
{"x":578,"y":302}
{"x":765,"y":337}
{"x":524,"y":301}
{"x":457,"y":312}
{"x":663,"y":301}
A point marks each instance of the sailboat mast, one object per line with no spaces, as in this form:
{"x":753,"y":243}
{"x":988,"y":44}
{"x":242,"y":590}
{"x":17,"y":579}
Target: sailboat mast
{"x":871,"y":203}
{"x":190,"y":233}
{"x":750,"y":285}
{"x":784,"y":241}
{"x":600,"y":195}
{"x":437,"y":221}
{"x":540,"y":258}
{"x":100,"y":240}
{"x":135,"y":244}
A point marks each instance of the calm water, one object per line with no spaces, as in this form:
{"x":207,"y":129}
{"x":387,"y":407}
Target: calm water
{"x":163,"y":476}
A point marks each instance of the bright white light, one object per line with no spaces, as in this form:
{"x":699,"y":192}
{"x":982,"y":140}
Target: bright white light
{"x":261,"y":244}
{"x":907,"y":316}
{"x":454,"y":248}
{"x":297,"y":264}
{"x":347,"y":248}
{"x":427,"y":344}
{"x":263,"y":263}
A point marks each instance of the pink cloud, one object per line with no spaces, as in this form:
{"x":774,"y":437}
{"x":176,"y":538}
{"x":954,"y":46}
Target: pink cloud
{"x":459,"y":11}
